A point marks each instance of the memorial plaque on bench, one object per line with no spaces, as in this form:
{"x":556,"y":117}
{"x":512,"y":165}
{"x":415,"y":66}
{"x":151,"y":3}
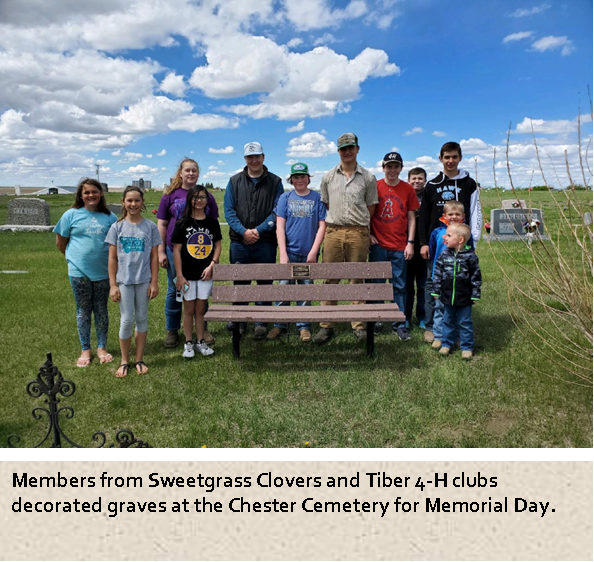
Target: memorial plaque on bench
{"x":29,"y":212}
{"x":508,"y":224}
{"x":300,"y":272}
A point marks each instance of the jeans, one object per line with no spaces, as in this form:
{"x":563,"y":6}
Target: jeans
{"x":396,"y":258}
{"x":294,"y":258}
{"x":173,"y":309}
{"x":416,"y":273}
{"x":429,"y":300}
{"x":260,"y":252}
{"x":91,"y":298}
{"x":455,"y":317}
{"x":438,"y":322}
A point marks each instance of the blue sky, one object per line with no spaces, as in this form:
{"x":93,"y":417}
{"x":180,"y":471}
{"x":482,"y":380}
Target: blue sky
{"x":137,"y":85}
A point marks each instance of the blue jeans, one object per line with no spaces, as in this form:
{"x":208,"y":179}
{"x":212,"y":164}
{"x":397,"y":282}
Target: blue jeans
{"x":458,"y":317}
{"x":396,"y":258}
{"x":91,"y":299}
{"x":173,"y":309}
{"x":438,"y":322}
{"x":416,"y":274}
{"x":429,"y":300}
{"x":294,"y":258}
{"x":260,"y":252}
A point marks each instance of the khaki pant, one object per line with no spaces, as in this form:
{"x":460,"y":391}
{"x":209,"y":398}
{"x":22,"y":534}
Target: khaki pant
{"x":345,"y":244}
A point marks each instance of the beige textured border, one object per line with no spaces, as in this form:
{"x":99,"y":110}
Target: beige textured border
{"x":565,"y":534}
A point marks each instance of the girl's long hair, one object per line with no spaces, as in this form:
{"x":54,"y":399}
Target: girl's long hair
{"x":128,"y":189}
{"x":78,"y":202}
{"x":176,"y":182}
{"x":193,"y":192}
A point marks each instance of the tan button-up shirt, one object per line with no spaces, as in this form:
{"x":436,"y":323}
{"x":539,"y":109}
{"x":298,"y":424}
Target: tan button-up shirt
{"x":348,"y":199}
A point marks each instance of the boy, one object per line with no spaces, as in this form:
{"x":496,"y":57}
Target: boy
{"x":416,"y":268}
{"x":453,"y":184}
{"x":392,"y":233}
{"x":300,"y":228}
{"x":453,"y":212}
{"x":457,"y":283}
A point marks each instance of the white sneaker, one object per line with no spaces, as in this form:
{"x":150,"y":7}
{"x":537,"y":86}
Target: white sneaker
{"x":202,"y":348}
{"x":188,"y":350}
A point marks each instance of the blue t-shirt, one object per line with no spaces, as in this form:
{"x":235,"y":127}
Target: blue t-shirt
{"x":87,"y":252}
{"x":303,"y":214}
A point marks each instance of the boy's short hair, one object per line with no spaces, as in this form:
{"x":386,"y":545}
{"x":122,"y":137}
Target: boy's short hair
{"x":450,"y":147}
{"x":416,"y":172}
{"x":461,"y":230}
{"x":454,"y":206}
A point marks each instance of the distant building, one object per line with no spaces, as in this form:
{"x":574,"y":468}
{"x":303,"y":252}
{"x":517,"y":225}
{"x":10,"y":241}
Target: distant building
{"x":143,"y":184}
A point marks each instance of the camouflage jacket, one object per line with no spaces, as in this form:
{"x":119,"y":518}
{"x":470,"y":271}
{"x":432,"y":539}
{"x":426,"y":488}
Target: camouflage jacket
{"x":457,"y":278}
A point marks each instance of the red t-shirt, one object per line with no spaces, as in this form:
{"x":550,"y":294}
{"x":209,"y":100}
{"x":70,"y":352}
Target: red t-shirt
{"x":389,"y":223}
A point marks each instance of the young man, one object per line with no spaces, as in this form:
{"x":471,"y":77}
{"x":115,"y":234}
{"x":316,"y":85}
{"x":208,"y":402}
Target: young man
{"x":453,"y":184}
{"x":350,"y":194}
{"x":393,"y":230}
{"x":457,"y":283}
{"x":250,"y":199}
{"x":300,"y":229}
{"x":416,"y":268}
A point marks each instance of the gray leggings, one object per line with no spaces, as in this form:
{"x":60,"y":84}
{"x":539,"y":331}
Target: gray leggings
{"x":133,"y":304}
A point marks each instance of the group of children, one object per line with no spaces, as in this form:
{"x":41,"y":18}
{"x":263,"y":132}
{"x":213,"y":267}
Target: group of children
{"x":442,"y":241}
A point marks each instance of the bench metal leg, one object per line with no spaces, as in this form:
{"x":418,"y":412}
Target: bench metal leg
{"x":370,"y":338}
{"x":236,"y":339}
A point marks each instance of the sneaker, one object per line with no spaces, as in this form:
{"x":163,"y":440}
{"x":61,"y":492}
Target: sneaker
{"x":203,"y":349}
{"x":275,"y":333}
{"x":324,"y":335}
{"x":378,"y":327}
{"x":208,"y":338}
{"x":188,"y":350}
{"x":305,"y":335}
{"x":436,"y":344}
{"x":259,"y":332}
{"x":444,"y":351}
{"x":172,"y":339}
{"x":422,"y":325}
{"x":428,"y":336}
{"x":360,"y":334}
{"x":407,"y":324}
{"x":467,"y":354}
{"x":402,"y":333}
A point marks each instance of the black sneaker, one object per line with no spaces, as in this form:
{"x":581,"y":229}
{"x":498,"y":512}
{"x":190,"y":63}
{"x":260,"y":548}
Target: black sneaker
{"x":323,"y":336}
{"x":378,"y":327}
{"x":402,"y":333}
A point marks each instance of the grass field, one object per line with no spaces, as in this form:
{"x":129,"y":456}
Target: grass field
{"x":285,"y":394}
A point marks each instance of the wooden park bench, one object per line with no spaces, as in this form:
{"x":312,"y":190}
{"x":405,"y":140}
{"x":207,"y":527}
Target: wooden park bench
{"x":368,"y":312}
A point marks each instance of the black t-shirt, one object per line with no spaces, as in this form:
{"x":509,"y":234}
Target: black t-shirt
{"x":197,"y":238}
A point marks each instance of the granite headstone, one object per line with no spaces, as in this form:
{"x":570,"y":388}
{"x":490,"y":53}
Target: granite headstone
{"x":29,"y":212}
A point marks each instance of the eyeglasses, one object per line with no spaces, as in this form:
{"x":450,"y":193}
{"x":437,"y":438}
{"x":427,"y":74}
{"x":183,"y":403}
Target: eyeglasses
{"x":201,"y":197}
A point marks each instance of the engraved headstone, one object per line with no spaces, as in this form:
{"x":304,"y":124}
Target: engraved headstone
{"x":30,"y":212}
{"x":509,"y":224}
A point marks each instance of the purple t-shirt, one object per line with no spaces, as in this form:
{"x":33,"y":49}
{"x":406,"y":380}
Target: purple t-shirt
{"x":172,"y":206}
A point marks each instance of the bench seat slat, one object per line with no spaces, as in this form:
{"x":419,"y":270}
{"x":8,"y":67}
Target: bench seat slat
{"x":316,"y":292}
{"x":277,"y":271}
{"x":292,"y":314}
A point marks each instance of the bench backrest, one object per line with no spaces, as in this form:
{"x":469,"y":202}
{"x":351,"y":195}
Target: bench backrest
{"x":364,"y":271}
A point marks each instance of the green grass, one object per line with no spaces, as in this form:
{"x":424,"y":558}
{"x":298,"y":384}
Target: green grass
{"x":283,"y":395}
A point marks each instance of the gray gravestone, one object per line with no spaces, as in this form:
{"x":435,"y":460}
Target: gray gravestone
{"x":513,"y":204}
{"x":115,"y":209}
{"x":29,"y":212}
{"x":508,"y":224}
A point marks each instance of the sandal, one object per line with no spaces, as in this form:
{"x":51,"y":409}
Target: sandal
{"x":83,"y":361}
{"x":105,"y":358}
{"x":124,"y":367}
{"x":140,"y":365}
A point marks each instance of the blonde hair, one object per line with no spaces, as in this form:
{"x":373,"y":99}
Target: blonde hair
{"x":461,"y":230}
{"x":176,"y":182}
{"x":453,"y":206}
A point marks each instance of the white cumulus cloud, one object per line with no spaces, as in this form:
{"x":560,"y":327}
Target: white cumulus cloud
{"x":523,"y":12}
{"x":226,"y":150}
{"x":296,"y":128}
{"x":310,"y":145}
{"x":439,"y":134}
{"x":551,"y":43}
{"x":513,"y":37}
{"x":174,"y":84}
{"x":413,"y":131}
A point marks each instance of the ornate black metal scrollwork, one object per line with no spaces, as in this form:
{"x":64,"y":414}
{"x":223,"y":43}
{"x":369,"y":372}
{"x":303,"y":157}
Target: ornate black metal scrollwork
{"x":51,"y":383}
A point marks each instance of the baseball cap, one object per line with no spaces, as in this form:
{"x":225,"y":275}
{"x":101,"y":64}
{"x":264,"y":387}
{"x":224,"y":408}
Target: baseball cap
{"x":252,"y":148}
{"x":299,"y":168}
{"x":392,"y":157}
{"x":348,"y":139}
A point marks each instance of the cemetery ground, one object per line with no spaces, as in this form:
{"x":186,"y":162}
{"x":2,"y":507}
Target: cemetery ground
{"x":286,"y":394}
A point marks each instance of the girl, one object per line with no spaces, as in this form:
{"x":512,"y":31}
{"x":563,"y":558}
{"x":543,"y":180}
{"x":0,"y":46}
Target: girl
{"x":80,"y":236}
{"x":133,"y":274}
{"x":170,"y":210}
{"x":196,"y":248}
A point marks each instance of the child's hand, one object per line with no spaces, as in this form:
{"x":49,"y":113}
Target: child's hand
{"x":114,"y":293}
{"x":207,"y":273}
{"x":372,"y":239}
{"x":181,"y":281}
{"x":163,"y":261}
{"x":284,"y":258}
{"x":312,"y":257}
{"x":153,"y":290}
